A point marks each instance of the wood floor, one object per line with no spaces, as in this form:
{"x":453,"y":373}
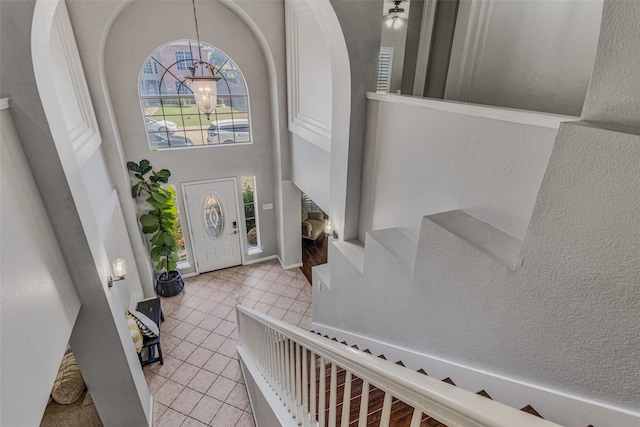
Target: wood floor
{"x":313,"y":254}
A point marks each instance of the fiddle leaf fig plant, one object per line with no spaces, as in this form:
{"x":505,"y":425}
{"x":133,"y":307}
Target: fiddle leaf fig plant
{"x":160,"y":221}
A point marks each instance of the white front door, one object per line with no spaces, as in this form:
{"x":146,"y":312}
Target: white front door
{"x":213,"y":223}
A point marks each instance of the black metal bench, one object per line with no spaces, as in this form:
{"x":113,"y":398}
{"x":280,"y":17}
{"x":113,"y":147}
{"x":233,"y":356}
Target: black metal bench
{"x":151,"y":308}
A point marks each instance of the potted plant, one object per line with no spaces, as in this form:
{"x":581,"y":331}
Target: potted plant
{"x":160,"y":222}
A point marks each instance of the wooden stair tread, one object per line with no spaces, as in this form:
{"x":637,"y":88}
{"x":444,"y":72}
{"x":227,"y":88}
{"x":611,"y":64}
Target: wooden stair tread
{"x":529,"y":410}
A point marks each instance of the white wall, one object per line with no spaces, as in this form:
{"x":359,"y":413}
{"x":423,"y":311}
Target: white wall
{"x":422,"y":157}
{"x":533,"y":55}
{"x":310,"y":171}
{"x":38,"y":302}
{"x":227,"y":32}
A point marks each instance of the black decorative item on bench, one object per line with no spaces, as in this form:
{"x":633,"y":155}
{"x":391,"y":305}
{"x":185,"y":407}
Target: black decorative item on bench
{"x":151,"y":308}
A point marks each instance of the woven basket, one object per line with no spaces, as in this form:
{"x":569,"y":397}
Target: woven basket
{"x":171,"y":287}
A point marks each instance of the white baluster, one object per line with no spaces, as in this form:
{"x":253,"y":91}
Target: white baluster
{"x":346,"y":401}
{"x":386,"y":410}
{"x":280,"y":367}
{"x":333,"y":390}
{"x":364,"y":404}
{"x":305,"y":388}
{"x":298,"y":382}
{"x":292,"y":377}
{"x":322,"y":393}
{"x":287,"y":370}
{"x":416,"y":418}
{"x":314,"y":387}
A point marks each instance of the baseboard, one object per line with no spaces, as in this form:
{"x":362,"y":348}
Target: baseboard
{"x":190,"y":274}
{"x":288,"y":267}
{"x":151,"y":411}
{"x":557,"y":406}
{"x":255,"y":261}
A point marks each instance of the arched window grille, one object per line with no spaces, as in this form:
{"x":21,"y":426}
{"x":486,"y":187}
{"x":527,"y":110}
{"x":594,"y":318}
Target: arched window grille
{"x":172,"y":119}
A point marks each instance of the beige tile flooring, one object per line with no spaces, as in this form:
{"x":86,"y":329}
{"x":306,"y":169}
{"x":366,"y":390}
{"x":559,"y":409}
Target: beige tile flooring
{"x":200,"y":383}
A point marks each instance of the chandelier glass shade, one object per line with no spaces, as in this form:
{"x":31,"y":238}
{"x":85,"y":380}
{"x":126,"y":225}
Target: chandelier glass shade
{"x":203,"y":84}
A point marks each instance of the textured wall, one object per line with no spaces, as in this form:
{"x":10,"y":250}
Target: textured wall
{"x":614,"y":92}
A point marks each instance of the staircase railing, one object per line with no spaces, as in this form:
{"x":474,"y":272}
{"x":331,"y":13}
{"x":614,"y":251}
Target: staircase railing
{"x":296,"y":365}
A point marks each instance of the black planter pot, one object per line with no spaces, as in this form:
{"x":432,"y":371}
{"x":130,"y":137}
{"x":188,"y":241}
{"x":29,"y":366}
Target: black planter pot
{"x":173,"y":286}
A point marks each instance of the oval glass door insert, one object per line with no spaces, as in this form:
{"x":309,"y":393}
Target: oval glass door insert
{"x":213,"y":217}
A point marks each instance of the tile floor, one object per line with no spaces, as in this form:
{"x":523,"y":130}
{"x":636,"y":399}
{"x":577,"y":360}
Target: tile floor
{"x":200,"y":383}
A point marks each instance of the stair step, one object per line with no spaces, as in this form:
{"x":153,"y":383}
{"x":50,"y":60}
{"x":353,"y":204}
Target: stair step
{"x":448,"y":381}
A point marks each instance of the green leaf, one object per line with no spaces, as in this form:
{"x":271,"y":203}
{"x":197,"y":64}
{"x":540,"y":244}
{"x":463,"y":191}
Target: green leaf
{"x":163,"y":173}
{"x":149,"y":230}
{"x":136,"y":189}
{"x":137,"y":175}
{"x":159,"y":197}
{"x":169,"y":240}
{"x":158,"y":238}
{"x":146,"y":170}
{"x":148,"y":220}
{"x":155,"y":203}
{"x":132,"y":166}
{"x":144,"y":163}
{"x":156,"y":253}
{"x":158,"y":179}
{"x":172,"y":265}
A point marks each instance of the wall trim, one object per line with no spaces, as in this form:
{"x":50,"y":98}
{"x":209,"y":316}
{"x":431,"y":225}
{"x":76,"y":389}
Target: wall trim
{"x":532,"y":118}
{"x":310,"y":128}
{"x":150,"y":418}
{"x":85,"y":136}
{"x":465,"y":81}
{"x":257,"y":260}
{"x":553,"y":405}
{"x":288,"y":267}
{"x":424,"y":47}
{"x":4,"y":103}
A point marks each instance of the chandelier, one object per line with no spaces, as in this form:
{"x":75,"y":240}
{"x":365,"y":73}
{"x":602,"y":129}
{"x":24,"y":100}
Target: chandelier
{"x":202,"y":81}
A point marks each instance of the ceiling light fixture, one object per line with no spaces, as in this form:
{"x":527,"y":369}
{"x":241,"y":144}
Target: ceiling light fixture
{"x":202,"y":81}
{"x":395,"y":18}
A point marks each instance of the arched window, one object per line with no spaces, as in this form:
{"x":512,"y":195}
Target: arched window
{"x":171,"y":116}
